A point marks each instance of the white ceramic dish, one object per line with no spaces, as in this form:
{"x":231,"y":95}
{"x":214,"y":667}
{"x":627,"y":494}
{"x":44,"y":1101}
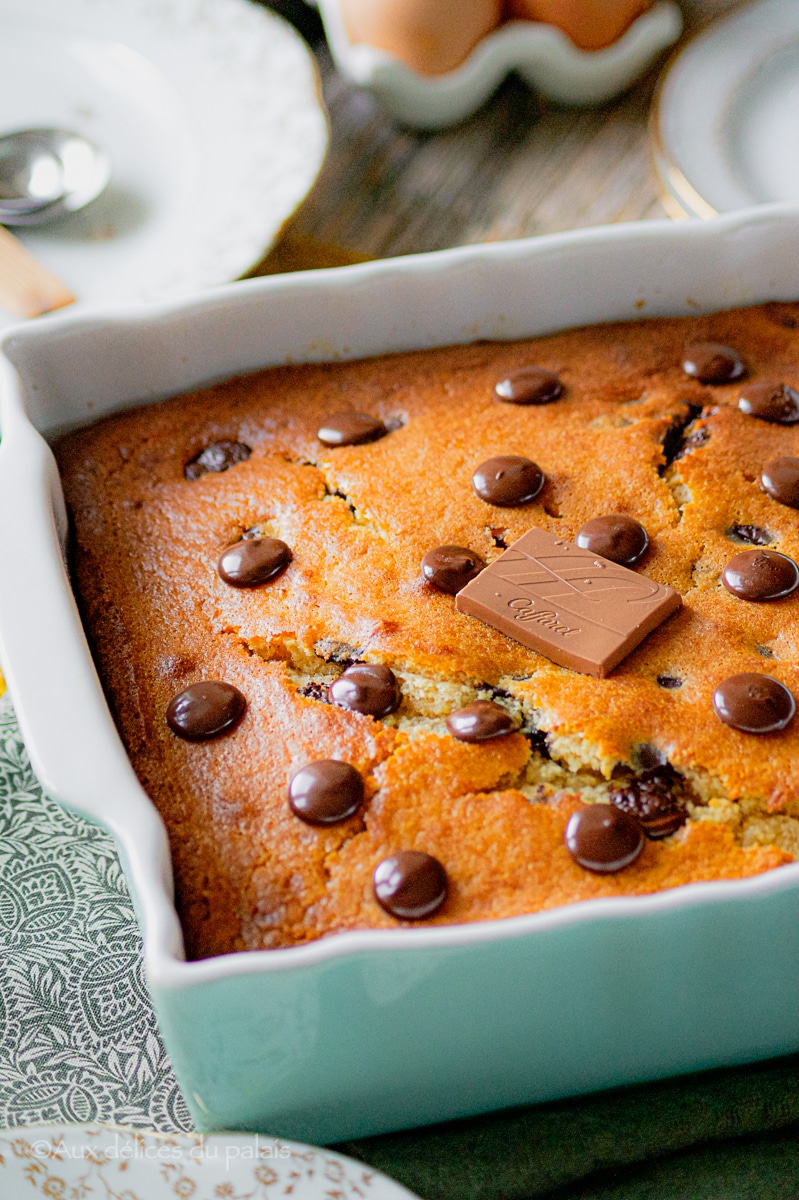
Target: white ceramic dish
{"x":726,"y":113}
{"x":210,"y":110}
{"x":374,"y":1030}
{"x":541,"y":54}
{"x":97,"y":1162}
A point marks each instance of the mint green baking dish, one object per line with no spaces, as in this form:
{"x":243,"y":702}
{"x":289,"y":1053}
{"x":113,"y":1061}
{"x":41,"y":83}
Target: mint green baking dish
{"x":365,"y":1032}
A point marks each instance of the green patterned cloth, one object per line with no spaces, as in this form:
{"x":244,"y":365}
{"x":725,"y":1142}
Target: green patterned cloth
{"x":78,"y":1038}
{"x":79,"y":1043}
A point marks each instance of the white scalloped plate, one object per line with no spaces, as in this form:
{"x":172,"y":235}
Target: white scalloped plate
{"x":96,"y":1162}
{"x":726,"y":121}
{"x":543,"y":55}
{"x":210,"y":110}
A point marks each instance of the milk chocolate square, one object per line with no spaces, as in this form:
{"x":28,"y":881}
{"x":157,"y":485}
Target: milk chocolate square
{"x":581,"y":611}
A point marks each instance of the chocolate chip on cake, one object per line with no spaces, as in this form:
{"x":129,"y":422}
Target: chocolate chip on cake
{"x":253,"y":561}
{"x":216,"y":457}
{"x":351,"y":429}
{"x":708,"y":362}
{"x":368,"y":688}
{"x":769,"y":401}
{"x":529,"y":385}
{"x":205,"y":710}
{"x":761,"y":575}
{"x":326,"y":792}
{"x":754,"y":703}
{"x":670,"y":682}
{"x":784,"y":314}
{"x":410,"y":885}
{"x":508,"y":480}
{"x":538,"y":742}
{"x":449,"y":568}
{"x":481,"y":721}
{"x":653,"y":799}
{"x":314,"y":690}
{"x":604,"y":839}
{"x":647,"y":757}
{"x":621,"y":539}
{"x":692,"y":441}
{"x":751,"y":535}
{"x":780,"y":478}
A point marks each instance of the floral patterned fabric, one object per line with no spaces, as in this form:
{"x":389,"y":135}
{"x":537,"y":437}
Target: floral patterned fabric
{"x":78,"y":1037}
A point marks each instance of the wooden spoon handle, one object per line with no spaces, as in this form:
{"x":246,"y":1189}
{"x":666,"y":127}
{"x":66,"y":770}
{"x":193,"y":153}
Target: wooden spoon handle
{"x":26,"y":287}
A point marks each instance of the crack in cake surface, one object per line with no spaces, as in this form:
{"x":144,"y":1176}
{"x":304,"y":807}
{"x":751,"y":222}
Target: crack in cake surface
{"x":557,"y":765}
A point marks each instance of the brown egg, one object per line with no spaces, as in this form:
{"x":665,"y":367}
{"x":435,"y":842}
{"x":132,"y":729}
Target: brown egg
{"x":591,"y":24}
{"x":430,"y":36}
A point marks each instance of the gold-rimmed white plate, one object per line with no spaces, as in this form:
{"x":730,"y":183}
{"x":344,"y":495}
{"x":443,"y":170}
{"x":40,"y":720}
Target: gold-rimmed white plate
{"x":725,"y":122}
{"x":101,"y":1161}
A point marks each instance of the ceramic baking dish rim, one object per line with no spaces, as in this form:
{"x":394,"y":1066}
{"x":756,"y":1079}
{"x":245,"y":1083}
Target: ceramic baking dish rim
{"x":27,"y":473}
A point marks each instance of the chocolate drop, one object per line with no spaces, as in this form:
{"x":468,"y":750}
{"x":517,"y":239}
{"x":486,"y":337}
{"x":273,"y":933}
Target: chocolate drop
{"x":754,"y":703}
{"x":769,"y":401}
{"x":780,"y":479}
{"x":368,"y":688}
{"x":529,"y":385}
{"x":760,"y":575}
{"x":751,"y":535}
{"x":692,"y":442}
{"x":410,"y":885}
{"x":508,"y":480}
{"x":253,"y":561}
{"x":449,"y":568}
{"x":351,"y":429}
{"x":653,"y":799}
{"x":481,"y":721}
{"x":711,"y":363}
{"x":205,"y":710}
{"x":326,"y":792}
{"x":621,"y":539}
{"x":603,"y":839}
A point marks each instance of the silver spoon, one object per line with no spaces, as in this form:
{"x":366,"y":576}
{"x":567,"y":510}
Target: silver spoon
{"x":45,"y":173}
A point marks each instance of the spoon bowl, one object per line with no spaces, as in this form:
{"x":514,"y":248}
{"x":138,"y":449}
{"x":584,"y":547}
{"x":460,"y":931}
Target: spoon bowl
{"x":47,"y":173}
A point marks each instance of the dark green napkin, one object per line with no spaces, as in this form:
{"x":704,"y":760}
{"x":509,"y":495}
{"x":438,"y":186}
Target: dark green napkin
{"x":662,"y":1141}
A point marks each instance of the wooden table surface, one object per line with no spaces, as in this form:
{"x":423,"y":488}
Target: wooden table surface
{"x":518,"y":167}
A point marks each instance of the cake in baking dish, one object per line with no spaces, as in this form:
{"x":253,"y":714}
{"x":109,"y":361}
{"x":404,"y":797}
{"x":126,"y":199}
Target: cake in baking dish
{"x":271,"y":571}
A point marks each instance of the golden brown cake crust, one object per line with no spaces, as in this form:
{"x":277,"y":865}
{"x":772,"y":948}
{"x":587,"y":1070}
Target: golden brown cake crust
{"x":359,"y":520}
